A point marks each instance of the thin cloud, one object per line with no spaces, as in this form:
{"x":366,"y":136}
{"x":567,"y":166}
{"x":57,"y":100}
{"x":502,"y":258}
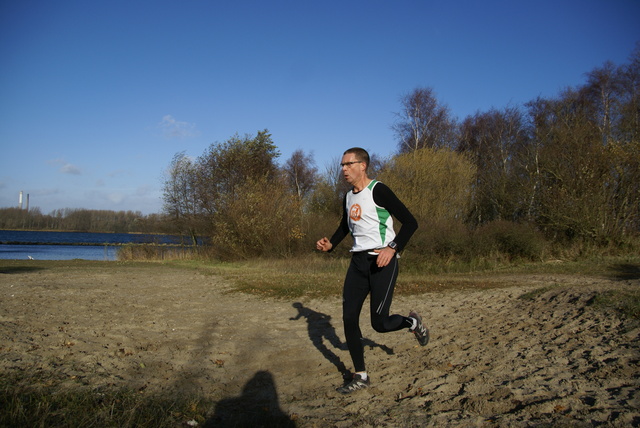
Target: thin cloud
{"x":66,"y":167}
{"x":70,"y":169}
{"x":143,"y":190}
{"x":172,"y":128}
{"x":116,"y":197}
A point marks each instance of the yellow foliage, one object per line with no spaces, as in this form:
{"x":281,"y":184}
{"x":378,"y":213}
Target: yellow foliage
{"x":435,"y":184}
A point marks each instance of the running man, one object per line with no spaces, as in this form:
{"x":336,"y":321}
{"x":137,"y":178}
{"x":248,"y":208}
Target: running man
{"x":369,"y":208}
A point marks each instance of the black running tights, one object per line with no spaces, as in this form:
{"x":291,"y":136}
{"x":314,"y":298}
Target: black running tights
{"x":364,"y":277}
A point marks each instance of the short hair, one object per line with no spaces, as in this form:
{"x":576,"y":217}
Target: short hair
{"x":361,"y":154}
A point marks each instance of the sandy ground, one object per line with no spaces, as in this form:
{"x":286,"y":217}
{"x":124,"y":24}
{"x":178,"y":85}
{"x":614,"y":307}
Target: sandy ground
{"x":495,"y":359}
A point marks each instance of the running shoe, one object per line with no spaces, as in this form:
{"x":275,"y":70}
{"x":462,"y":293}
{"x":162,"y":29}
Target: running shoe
{"x":356,"y":383}
{"x":421,"y":332}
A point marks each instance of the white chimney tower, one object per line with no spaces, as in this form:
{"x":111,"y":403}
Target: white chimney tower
{"x":20,"y":200}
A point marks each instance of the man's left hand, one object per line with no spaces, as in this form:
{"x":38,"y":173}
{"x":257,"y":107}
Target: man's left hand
{"x":385,"y":255}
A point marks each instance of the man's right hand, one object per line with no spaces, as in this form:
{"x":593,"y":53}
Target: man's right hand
{"x":324,"y":244}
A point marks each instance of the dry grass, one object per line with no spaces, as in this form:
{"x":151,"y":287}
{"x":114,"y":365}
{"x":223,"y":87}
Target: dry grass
{"x":38,"y":399}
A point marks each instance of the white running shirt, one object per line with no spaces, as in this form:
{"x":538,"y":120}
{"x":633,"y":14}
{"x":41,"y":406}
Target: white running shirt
{"x":371,"y":225}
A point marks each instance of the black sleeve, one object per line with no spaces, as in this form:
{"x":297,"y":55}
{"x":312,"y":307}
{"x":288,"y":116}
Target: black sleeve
{"x":343,"y":229}
{"x":384,"y":197}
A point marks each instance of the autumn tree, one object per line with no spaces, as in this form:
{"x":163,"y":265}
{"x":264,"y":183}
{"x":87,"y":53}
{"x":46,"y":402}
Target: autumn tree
{"x":225,"y":167}
{"x":435,"y":184}
{"x":574,"y":166}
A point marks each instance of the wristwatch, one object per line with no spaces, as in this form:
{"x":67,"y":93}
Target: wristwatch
{"x":393,"y":245}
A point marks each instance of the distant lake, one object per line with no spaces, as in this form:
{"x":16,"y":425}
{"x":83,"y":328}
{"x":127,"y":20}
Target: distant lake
{"x":18,"y":244}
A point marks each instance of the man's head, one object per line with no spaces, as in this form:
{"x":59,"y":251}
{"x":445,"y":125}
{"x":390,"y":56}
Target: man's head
{"x":354,"y":165}
{"x":360,"y":154}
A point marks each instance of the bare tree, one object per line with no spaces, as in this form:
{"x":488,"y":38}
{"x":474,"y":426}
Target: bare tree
{"x":301,"y":173}
{"x":574,"y":167}
{"x":628,"y":128}
{"x":492,"y":140}
{"x":601,"y":90}
{"x":329,"y":190}
{"x":180,"y":195}
{"x":423,"y":122}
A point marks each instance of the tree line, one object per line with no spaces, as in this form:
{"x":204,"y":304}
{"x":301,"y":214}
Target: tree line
{"x":82,"y":220}
{"x":561,"y":169}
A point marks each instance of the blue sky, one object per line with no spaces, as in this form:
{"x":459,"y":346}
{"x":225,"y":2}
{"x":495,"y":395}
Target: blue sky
{"x":96,"y":97}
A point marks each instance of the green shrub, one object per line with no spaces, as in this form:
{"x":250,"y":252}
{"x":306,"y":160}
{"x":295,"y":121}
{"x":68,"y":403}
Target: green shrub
{"x":516,"y":241}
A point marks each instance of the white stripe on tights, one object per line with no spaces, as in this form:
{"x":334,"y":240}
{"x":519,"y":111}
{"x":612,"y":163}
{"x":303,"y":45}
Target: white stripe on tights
{"x":395,"y":266}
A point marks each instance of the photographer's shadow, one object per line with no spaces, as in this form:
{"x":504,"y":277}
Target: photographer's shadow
{"x":320,"y":328}
{"x":258,"y":406}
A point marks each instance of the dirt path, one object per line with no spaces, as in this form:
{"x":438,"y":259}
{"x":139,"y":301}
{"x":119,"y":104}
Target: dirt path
{"x":495,"y":359}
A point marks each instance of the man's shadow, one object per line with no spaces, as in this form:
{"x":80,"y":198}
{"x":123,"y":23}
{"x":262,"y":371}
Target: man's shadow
{"x":320,"y":328}
{"x":257,"y":406}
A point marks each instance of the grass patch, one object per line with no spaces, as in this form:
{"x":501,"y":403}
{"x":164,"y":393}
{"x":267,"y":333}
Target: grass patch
{"x":534,"y":294}
{"x":18,"y":267}
{"x":320,"y":275}
{"x":40,"y":400}
{"x":311,"y":276}
{"x":624,"y":302}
